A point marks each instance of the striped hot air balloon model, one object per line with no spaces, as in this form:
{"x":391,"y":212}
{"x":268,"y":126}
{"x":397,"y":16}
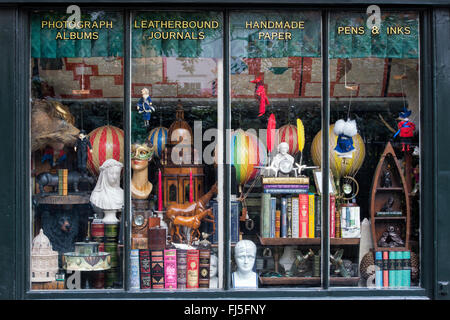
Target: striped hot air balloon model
{"x":158,"y":138}
{"x":107,"y":143}
{"x":288,"y":134}
{"x":247,"y":152}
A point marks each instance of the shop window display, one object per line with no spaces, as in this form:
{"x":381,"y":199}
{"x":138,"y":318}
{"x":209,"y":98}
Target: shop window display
{"x":176,"y":60}
{"x":77,"y":149}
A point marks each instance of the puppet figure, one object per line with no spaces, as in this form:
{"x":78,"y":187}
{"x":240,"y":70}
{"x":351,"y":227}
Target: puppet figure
{"x":145,"y":107}
{"x":345,"y":130}
{"x":260,"y":93}
{"x":405,"y":128}
{"x":81,"y":148}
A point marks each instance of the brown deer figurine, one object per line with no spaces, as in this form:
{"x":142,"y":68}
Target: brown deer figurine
{"x":192,"y":222}
{"x":189,"y":209}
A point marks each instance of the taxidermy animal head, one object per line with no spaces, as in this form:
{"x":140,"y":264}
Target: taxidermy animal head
{"x":52,"y":124}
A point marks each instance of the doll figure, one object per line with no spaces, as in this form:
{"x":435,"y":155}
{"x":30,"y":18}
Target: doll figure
{"x":81,"y":146}
{"x":345,"y":130}
{"x":145,"y":107}
{"x":405,"y":129}
{"x":260,"y":93}
{"x":245,"y":256}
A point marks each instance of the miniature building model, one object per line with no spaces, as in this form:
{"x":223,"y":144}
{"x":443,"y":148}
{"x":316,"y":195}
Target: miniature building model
{"x":44,"y":261}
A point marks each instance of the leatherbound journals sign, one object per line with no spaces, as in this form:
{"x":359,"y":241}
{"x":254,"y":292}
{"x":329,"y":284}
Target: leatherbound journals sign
{"x":170,"y":268}
{"x":204,"y":260}
{"x":192,"y":269}
{"x":157,"y":238}
{"x":157,"y":269}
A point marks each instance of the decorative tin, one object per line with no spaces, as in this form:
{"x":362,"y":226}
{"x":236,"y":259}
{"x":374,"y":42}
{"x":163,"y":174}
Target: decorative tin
{"x":111,"y":276}
{"x":111,"y":248}
{"x":73,"y":261}
{"x":111,"y":230}
{"x":97,"y":230}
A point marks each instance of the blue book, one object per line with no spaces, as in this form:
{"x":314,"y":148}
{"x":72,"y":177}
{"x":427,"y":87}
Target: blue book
{"x":234,"y":223}
{"x":392,"y":271}
{"x":273,"y":208}
{"x":378,"y":269}
{"x":283,"y":228}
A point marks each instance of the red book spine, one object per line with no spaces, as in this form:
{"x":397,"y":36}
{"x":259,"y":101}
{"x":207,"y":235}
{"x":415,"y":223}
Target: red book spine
{"x":332,"y":216}
{"x":385,"y":269}
{"x":192,"y":269}
{"x":157,"y":271}
{"x":303,"y":205}
{"x":170,"y":269}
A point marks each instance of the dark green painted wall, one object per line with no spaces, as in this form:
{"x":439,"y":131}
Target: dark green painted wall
{"x":7,"y":167}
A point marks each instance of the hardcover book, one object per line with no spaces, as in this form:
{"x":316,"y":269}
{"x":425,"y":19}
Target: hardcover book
{"x":192,"y":269}
{"x":385,"y":269}
{"x":283,"y":191}
{"x":145,"y":269}
{"x":157,"y":269}
{"x":285,"y":180}
{"x":157,"y":238}
{"x":317,"y":215}
{"x":392,"y":269}
{"x":289,"y":217}
{"x":286,"y":186}
{"x":265,"y":215}
{"x":337,"y":223}
{"x":332,"y":216}
{"x":204,"y":261}
{"x":311,"y":214}
{"x":277,"y":224}
{"x":170,"y":269}
{"x":303,"y":203}
{"x":273,"y":209}
{"x":181,"y":268}
{"x":283,"y":226}
{"x":295,"y":218}
{"x":134,"y":266}
{"x":234,"y":211}
{"x":350,"y":222}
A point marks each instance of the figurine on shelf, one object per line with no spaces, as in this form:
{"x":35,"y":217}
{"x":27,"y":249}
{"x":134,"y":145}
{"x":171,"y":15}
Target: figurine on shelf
{"x":260,"y":93}
{"x":391,"y":238}
{"x":244,"y":255}
{"x":387,"y":207}
{"x":345,"y":130}
{"x":145,"y":106}
{"x":73,"y":179}
{"x":81,"y":146}
{"x":342,"y":267}
{"x":387,"y":180}
{"x":141,"y":154}
{"x":405,"y":128}
{"x":107,"y":194}
{"x":300,"y":266}
{"x":213,"y":280}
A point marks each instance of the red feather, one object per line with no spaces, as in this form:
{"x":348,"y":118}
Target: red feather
{"x":271,"y":125}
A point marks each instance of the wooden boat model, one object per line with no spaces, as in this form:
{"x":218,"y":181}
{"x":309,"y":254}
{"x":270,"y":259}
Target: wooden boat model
{"x":389,"y":205}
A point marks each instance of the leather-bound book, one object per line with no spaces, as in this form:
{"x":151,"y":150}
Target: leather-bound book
{"x":192,"y":269}
{"x":145,"y":269}
{"x":170,"y":268}
{"x":134,"y":266}
{"x":204,"y":260}
{"x":157,"y":269}
{"x":157,"y":238}
{"x":181,"y":268}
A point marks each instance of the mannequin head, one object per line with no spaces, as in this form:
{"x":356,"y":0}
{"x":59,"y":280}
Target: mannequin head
{"x":141,"y":154}
{"x":245,"y":255}
{"x":213,"y":266}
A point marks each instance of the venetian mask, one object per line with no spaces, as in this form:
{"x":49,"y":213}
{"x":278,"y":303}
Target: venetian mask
{"x":141,"y":152}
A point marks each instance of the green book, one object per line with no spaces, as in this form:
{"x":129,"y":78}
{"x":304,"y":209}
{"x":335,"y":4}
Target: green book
{"x":392,"y":269}
{"x":398,"y":269}
{"x":265,"y":215}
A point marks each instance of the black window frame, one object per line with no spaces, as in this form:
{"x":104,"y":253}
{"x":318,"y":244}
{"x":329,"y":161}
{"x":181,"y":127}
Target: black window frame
{"x":428,"y":150}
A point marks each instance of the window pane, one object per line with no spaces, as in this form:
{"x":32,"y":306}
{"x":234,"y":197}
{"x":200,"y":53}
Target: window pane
{"x":176,"y":100}
{"x":374,"y":148}
{"x":76,"y":150}
{"x":276,"y":81}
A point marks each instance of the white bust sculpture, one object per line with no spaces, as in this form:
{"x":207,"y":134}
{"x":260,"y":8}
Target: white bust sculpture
{"x":245,"y":255}
{"x":107,"y":194}
{"x":213,"y":280}
{"x":282,"y":161}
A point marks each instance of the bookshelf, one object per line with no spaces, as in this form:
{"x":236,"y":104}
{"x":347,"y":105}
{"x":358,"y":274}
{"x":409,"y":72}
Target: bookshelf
{"x":305,"y":241}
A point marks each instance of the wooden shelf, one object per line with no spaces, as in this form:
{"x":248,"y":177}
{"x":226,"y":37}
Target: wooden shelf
{"x":273,"y":281}
{"x":390,"y":218}
{"x":390,"y":189}
{"x":72,"y":198}
{"x":305,"y":241}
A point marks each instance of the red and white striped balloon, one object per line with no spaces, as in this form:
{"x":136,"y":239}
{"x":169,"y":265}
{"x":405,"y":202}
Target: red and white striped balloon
{"x":107,"y":143}
{"x":288,"y":134}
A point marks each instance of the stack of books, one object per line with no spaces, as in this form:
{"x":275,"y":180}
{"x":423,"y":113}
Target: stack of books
{"x":393,"y":269}
{"x":170,"y":269}
{"x":280,"y":185}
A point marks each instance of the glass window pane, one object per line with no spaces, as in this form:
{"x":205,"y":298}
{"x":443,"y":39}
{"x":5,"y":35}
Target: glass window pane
{"x":276,"y":81}
{"x":374,"y":148}
{"x":176,"y":101}
{"x":76,"y":150}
